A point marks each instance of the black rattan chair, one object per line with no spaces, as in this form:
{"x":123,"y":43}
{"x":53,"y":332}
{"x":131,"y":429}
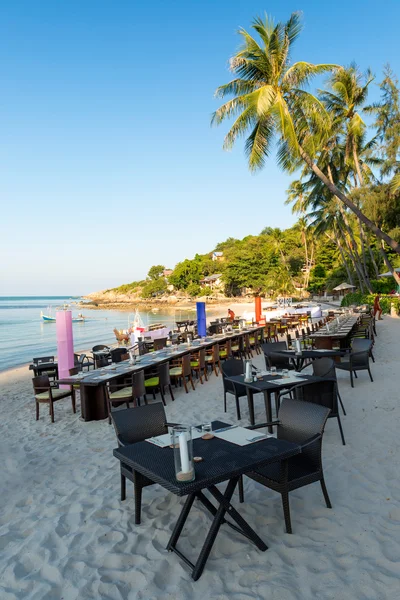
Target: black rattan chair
{"x":230,"y":368}
{"x":82,"y":361}
{"x":325,"y":367}
{"x":160,"y":381}
{"x":134,"y":425}
{"x":276,"y":360}
{"x":322,"y":392}
{"x":357,"y":360}
{"x":302,"y":423}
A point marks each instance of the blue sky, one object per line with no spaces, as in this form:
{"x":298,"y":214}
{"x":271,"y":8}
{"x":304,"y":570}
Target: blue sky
{"x":108,"y":163}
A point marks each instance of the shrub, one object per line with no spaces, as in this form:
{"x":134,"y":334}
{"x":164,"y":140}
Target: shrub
{"x":385,"y":301}
{"x":193,"y":289}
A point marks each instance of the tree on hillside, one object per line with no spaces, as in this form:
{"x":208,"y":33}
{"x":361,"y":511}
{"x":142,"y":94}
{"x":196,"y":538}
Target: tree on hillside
{"x":155,"y":272}
{"x":270,"y":101}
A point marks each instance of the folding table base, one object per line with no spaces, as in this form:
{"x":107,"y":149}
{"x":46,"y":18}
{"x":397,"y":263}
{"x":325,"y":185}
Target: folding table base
{"x":219,"y":518}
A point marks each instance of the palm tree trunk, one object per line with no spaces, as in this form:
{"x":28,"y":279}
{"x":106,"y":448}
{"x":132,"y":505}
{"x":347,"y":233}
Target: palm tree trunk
{"x":389,"y":264}
{"x":359,"y":274}
{"x":336,"y":192}
{"x":336,"y":240}
{"x":354,"y":250}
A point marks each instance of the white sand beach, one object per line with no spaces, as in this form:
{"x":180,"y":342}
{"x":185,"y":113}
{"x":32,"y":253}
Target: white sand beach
{"x":65,"y":534}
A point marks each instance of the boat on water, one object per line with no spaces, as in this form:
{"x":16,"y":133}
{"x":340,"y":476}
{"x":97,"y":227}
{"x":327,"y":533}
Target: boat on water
{"x":137,"y":329}
{"x":50,"y":319}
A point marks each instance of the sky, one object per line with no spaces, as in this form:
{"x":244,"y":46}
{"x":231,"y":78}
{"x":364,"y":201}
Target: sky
{"x":108,"y":163}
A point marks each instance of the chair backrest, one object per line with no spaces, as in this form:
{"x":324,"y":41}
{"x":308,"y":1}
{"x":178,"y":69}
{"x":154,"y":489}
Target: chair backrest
{"x":138,"y":387}
{"x":137,"y":424}
{"x":360,"y":344}
{"x":101,"y":361}
{"x":100,"y":347}
{"x":117,"y":353}
{"x":202,"y":358}
{"x":273,"y":360}
{"x":43,"y":359}
{"x":324,"y":367}
{"x":74,"y":371}
{"x":163,"y":373}
{"x":160,"y":343}
{"x":142,"y":346}
{"x":215,"y":352}
{"x":300,"y":421}
{"x":232,"y":367}
{"x":322,"y":392}
{"x":41,"y":383}
{"x":186,"y":368}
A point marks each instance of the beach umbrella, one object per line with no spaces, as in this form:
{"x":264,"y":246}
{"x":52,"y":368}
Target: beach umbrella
{"x":343,"y":286}
{"x":389,"y":274}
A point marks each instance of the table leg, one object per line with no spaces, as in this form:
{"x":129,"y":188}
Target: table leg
{"x":268,"y":409}
{"x":93,"y":403}
{"x":218,"y":520}
{"x":250,"y":401}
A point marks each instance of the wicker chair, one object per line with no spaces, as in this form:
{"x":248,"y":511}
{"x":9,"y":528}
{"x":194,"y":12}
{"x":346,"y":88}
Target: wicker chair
{"x":230,"y":368}
{"x":159,"y":382}
{"x":134,"y":425}
{"x":44,"y":393}
{"x":275,"y":360}
{"x":83,"y":361}
{"x":180,"y":370}
{"x":325,"y":367}
{"x":212,"y":358}
{"x":323,"y":393}
{"x":160,"y":343}
{"x":51,"y":372}
{"x":198,"y":364}
{"x":123,"y":393}
{"x":357,"y":361}
{"x":302,"y":423}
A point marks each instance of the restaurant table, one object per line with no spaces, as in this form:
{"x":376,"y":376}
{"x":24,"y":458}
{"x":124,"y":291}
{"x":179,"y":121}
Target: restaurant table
{"x":40,"y":368}
{"x":92,"y":392}
{"x":298,"y":359}
{"x":222,"y":461}
{"x":324,"y":338}
{"x":267,"y":387}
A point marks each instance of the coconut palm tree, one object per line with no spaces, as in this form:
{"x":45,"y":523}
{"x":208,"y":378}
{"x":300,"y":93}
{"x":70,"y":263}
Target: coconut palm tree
{"x":270,"y":101}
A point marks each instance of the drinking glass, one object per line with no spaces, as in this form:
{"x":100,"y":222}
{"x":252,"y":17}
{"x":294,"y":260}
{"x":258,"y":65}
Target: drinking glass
{"x":206,"y":430}
{"x":273,"y":370}
{"x":285,"y":373}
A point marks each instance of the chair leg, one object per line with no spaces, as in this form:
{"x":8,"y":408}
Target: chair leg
{"x":370,"y":374}
{"x":185,"y":384}
{"x":241,"y":490}
{"x":351,"y":378}
{"x":191,"y":381}
{"x":355,"y":374}
{"x":162,"y":396}
{"x":224,"y":401}
{"x":205,"y":374}
{"x":215,"y":369}
{"x":138,"y":503}
{"x":286,"y":511}
{"x":37,"y":411}
{"x":73,"y":401}
{"x":237,"y":407}
{"x":341,"y":430}
{"x":325,"y":493}
{"x":170,"y":391}
{"x":52,"y":411}
{"x":372,"y":356}
{"x":340,"y":400}
{"x":123,"y":487}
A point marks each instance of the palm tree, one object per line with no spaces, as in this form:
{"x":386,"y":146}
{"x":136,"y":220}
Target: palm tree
{"x":271,"y":101}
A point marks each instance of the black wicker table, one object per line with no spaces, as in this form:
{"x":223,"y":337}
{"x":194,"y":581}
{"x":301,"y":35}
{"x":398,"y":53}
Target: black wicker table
{"x":298,"y":359}
{"x":222,"y":461}
{"x":267,"y":387}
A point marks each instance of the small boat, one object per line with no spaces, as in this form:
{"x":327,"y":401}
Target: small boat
{"x":51,"y":319}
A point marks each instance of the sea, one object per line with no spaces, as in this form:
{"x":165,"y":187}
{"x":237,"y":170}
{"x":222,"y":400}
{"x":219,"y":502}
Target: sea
{"x":24,"y":335}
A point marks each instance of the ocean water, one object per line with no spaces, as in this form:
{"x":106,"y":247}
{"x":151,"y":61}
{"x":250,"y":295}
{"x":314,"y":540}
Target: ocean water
{"x":24,"y":335}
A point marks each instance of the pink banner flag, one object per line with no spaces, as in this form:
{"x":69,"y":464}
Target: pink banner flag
{"x":65,"y":343}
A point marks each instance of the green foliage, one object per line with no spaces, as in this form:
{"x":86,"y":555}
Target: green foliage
{"x":154,"y":287}
{"x":185,"y":273}
{"x":248,"y":263}
{"x":193,"y":289}
{"x":155,"y":272}
{"x":126,"y":288}
{"x":385,"y":301}
{"x":206,"y":291}
{"x":384,"y":285}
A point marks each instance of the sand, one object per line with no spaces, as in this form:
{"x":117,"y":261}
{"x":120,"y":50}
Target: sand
{"x":64,"y":534}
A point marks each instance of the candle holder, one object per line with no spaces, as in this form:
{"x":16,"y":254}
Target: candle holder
{"x":183,"y":453}
{"x":248,"y":375}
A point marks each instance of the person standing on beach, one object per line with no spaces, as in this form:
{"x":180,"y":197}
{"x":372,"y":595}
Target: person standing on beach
{"x":231,"y":315}
{"x":377,"y":308}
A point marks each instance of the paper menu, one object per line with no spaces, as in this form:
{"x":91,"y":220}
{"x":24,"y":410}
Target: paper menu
{"x":164,"y":441}
{"x":241,"y":436}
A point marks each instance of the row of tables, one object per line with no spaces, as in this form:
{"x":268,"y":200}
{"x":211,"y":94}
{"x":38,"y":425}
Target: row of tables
{"x":93,"y":407}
